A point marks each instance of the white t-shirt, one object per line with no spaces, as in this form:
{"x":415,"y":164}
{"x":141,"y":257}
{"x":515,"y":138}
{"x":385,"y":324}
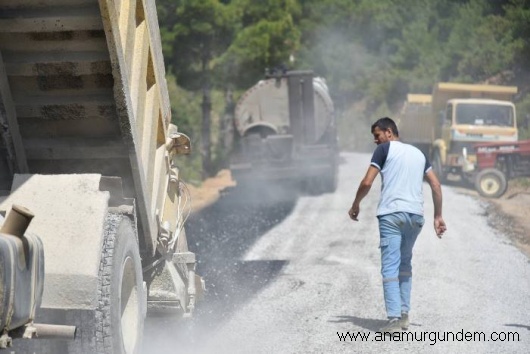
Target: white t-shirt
{"x":402,"y":167}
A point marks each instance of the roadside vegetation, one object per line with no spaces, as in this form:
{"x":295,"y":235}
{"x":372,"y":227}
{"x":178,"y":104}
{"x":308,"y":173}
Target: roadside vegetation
{"x":521,"y":183}
{"x":372,"y":53}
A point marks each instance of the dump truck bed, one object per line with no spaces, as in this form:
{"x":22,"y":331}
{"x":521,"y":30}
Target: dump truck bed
{"x":444,"y":91}
{"x":77,"y":79}
{"x":415,"y":124}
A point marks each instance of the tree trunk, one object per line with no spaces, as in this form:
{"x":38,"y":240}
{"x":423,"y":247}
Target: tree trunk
{"x":226,"y":132}
{"x":206,"y":122}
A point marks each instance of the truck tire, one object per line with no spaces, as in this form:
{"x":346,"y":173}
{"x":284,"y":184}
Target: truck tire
{"x":491,"y":183}
{"x":116,"y":325}
{"x":437,"y":167}
{"x":122,"y":300}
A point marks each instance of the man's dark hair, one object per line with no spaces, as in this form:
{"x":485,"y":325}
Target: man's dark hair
{"x":386,"y":123}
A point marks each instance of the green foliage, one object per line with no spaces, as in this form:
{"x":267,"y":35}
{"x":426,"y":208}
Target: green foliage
{"x":523,"y":117}
{"x":372,"y":53}
{"x":518,"y":15}
{"x":482,"y":43}
{"x":196,"y":32}
{"x":185,"y":113}
{"x":193,"y":33}
{"x":266,"y":37}
{"x":521,"y":183}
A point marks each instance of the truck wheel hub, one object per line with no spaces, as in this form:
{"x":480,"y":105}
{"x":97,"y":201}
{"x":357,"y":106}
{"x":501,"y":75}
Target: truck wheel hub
{"x":490,"y":185}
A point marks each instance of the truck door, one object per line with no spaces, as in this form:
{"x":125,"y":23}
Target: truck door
{"x":446,"y":127}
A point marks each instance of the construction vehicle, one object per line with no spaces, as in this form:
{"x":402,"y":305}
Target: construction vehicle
{"x":465,"y":115}
{"x":461,"y":115}
{"x":414,"y":124}
{"x":22,"y":281}
{"x":497,"y":163}
{"x":286,"y":133}
{"x":88,"y":147}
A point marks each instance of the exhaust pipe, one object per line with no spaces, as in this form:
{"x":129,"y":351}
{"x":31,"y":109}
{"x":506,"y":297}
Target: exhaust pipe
{"x":17,"y":222}
{"x":41,"y":331}
{"x":50,"y":331}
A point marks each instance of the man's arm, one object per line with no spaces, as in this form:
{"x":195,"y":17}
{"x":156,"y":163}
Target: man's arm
{"x":362,"y":191}
{"x":439,"y":223}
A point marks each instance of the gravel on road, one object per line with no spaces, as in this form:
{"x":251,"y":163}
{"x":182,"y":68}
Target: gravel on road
{"x":291,"y":277}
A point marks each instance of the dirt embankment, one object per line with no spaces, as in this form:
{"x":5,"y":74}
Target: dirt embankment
{"x":210,"y":190}
{"x":511,"y":214}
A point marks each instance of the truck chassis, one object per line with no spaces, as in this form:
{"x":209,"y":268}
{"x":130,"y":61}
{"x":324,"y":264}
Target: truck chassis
{"x":497,"y":163}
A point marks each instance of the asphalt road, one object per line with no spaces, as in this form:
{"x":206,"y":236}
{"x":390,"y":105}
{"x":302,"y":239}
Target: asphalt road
{"x":288,"y":275}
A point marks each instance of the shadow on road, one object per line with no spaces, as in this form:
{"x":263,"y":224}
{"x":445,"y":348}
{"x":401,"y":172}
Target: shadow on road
{"x":458,"y":182}
{"x":517,"y":325}
{"x":366,"y":323}
{"x":221,"y":235}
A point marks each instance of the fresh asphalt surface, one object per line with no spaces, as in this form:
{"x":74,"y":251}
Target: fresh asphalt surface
{"x":286,"y":274}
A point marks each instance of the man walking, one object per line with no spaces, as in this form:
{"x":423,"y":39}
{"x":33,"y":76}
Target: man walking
{"x":400,"y":213}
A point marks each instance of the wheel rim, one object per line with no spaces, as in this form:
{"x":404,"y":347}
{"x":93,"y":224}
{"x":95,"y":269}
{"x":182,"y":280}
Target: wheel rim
{"x":130,"y":314}
{"x":490,"y":185}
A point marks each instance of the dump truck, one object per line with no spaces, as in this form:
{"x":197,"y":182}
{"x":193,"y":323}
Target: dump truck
{"x":415,"y":124}
{"x":286,"y":134}
{"x":466,"y":114}
{"x":88,"y":148}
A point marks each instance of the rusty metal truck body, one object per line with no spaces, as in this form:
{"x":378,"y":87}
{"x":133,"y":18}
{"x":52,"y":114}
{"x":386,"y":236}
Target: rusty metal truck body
{"x":286,"y":133}
{"x":88,"y":146}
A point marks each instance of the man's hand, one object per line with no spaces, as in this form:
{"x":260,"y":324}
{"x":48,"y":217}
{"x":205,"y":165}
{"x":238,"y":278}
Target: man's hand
{"x":354,"y":212}
{"x":439,"y":226}
{"x":362,"y":191}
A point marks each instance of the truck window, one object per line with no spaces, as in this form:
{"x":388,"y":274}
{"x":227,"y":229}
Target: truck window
{"x":484,"y":114}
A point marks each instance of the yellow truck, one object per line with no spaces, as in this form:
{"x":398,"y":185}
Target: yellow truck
{"x":461,"y":115}
{"x":415,"y":124}
{"x":464,"y":115}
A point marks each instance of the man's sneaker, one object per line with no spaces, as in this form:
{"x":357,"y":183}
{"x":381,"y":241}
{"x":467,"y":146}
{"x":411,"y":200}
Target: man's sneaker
{"x":392,"y":326}
{"x":404,"y":321}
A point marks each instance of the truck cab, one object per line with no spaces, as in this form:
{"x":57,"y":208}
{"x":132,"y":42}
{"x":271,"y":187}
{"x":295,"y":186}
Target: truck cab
{"x":470,"y":121}
{"x":465,"y":115}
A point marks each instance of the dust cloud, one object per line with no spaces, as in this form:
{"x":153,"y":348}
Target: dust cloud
{"x":220,"y":235}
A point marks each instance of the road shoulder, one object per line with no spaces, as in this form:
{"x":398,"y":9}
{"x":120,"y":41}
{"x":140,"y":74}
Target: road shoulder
{"x":509,"y":214}
{"x":210,"y":190}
